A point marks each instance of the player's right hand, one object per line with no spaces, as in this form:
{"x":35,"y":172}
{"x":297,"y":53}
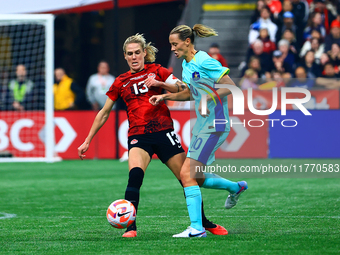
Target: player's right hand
{"x":82,"y":149}
{"x":154,"y":100}
{"x":152,"y":82}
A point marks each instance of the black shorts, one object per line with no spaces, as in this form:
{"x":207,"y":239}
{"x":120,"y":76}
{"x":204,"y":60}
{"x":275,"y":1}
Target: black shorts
{"x":164,"y":144}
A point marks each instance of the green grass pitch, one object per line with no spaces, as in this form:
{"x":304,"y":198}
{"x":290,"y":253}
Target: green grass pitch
{"x":60,"y":208}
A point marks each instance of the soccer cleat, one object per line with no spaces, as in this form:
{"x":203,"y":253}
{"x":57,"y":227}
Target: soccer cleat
{"x":131,"y":233}
{"x":218,"y":230}
{"x":191,"y":232}
{"x":233,"y":197}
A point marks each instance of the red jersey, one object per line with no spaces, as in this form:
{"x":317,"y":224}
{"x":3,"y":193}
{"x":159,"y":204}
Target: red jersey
{"x":143,"y":117}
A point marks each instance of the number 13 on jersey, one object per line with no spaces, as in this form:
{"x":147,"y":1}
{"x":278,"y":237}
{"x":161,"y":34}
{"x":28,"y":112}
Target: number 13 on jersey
{"x":138,"y":89}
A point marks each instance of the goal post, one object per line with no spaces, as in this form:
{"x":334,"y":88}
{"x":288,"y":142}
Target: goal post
{"x":26,"y":88}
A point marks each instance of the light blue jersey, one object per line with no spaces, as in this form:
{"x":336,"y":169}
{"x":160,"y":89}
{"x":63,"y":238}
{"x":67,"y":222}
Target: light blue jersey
{"x":201,"y":74}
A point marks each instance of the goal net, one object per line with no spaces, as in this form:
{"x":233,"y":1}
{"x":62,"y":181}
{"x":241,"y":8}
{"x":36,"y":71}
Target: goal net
{"x":26,"y":88}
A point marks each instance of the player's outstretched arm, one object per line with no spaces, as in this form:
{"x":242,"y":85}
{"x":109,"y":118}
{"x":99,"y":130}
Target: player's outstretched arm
{"x":98,"y":122}
{"x":175,"y":87}
{"x":223,"y":91}
{"x":180,"y":96}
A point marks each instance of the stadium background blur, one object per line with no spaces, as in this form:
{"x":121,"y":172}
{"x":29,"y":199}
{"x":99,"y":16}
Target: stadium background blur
{"x":84,"y":37}
{"x":60,"y":207}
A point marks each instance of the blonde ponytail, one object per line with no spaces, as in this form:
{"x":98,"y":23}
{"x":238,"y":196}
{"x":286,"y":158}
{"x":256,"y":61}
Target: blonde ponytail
{"x":204,"y":31}
{"x":150,"y":53}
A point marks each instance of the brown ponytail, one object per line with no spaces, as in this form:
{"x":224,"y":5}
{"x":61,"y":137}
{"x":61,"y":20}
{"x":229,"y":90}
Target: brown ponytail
{"x":185,"y":32}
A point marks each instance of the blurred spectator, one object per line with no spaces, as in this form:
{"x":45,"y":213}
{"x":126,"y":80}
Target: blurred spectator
{"x":313,"y":70}
{"x":334,"y":54}
{"x":286,"y":7}
{"x":268,"y":45}
{"x":314,"y":23}
{"x":278,"y":77}
{"x":290,"y":37}
{"x":20,"y":90}
{"x":214,"y":52}
{"x":98,"y":84}
{"x":327,"y":10}
{"x":287,"y":54}
{"x":67,"y":94}
{"x":257,"y":13}
{"x":329,"y":80}
{"x":323,"y":61}
{"x":314,"y":45}
{"x":334,"y":36}
{"x":288,"y":22}
{"x":278,"y":65}
{"x":275,"y":79}
{"x":263,"y":22}
{"x":275,"y":7}
{"x":257,"y":50}
{"x":316,"y":34}
{"x":330,"y":71}
{"x":301,"y":79}
{"x":255,"y":65}
{"x":300,"y":12}
{"x":249,"y":79}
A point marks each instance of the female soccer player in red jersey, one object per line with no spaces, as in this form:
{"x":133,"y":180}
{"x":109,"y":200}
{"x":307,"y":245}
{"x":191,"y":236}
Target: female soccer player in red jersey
{"x":150,"y":128}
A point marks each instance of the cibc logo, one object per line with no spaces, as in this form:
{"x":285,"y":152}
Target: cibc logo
{"x":238,"y":104}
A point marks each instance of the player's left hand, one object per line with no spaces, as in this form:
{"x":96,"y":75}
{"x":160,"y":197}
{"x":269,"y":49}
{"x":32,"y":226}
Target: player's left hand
{"x":154,"y":100}
{"x":151,"y":82}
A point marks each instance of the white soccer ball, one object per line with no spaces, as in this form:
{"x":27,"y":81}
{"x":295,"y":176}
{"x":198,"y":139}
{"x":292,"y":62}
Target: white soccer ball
{"x":121,"y":213}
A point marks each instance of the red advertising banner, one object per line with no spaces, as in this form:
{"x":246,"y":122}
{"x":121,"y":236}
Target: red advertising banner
{"x":23,"y":134}
{"x":263,"y":99}
{"x":79,"y":123}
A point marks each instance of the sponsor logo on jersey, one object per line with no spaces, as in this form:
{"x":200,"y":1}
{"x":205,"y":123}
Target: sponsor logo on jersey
{"x":134,"y":141}
{"x":138,"y":77}
{"x":126,"y":84}
{"x":196,"y":76}
{"x":152,"y":75}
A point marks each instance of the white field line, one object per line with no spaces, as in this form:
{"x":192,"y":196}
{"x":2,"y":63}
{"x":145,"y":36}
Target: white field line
{"x":6,"y":215}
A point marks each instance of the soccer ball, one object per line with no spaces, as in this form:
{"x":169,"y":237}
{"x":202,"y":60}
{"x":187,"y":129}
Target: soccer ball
{"x":121,"y":213}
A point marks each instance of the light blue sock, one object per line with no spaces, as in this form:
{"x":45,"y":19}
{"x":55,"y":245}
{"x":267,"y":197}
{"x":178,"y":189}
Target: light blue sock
{"x":213,"y":181}
{"x":193,"y":197}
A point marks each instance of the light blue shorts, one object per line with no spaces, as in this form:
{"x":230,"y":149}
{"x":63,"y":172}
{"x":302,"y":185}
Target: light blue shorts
{"x":203,"y":146}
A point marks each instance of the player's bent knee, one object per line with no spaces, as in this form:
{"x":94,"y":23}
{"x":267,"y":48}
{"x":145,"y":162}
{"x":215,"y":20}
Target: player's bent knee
{"x":186,"y":179}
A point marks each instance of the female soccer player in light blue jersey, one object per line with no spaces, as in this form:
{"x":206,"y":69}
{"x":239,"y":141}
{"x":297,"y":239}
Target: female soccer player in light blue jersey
{"x":200,"y":73}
